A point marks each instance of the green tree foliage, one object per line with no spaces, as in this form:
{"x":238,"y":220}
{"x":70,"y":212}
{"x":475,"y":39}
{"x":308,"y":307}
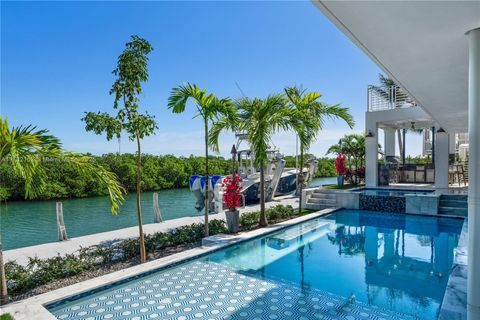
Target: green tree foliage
{"x":26,"y":153}
{"x":131,"y":72}
{"x":309,"y":115}
{"x":210,"y":109}
{"x":63,"y":180}
{"x":260,"y":119}
{"x":325,"y":168}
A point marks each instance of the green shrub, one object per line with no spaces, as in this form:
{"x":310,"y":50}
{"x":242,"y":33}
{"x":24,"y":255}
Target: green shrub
{"x":249,"y":220}
{"x":279,"y":212}
{"x":6,"y":316}
{"x":217,"y":226}
{"x":41,"y":271}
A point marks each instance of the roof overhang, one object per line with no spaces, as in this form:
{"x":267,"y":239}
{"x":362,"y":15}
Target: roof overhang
{"x":420,"y":44}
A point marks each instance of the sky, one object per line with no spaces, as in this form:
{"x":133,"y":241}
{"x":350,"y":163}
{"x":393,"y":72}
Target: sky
{"x":57,"y":60}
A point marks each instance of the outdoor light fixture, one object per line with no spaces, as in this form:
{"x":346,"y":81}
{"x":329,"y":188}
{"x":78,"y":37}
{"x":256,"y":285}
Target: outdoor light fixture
{"x":441,"y":131}
{"x":369,"y":134}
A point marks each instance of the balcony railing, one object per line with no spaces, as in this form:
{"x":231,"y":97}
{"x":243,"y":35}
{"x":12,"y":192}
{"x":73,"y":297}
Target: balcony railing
{"x":386,"y":98}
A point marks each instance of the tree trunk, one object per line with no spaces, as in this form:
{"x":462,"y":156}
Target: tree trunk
{"x":206,"y":177}
{"x":3,"y":279}
{"x":300,"y":181}
{"x":263,"y":217}
{"x":143,"y":251}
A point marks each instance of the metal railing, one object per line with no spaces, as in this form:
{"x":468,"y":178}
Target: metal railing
{"x":386,"y":98}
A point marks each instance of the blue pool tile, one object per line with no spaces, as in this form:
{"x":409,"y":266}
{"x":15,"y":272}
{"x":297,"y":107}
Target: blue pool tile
{"x":208,"y":290}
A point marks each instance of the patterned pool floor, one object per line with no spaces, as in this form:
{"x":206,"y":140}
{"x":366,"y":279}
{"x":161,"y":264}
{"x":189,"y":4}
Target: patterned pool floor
{"x":208,"y":290}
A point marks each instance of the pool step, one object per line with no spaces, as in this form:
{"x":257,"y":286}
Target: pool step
{"x":319,"y":195}
{"x":321,"y":199}
{"x":456,"y":205}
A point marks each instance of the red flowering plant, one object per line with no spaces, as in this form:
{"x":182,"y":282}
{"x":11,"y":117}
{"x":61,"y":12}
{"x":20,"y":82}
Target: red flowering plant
{"x":340,"y":165}
{"x":232,"y":196}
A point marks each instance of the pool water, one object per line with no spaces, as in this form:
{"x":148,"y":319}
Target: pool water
{"x":391,"y":192}
{"x":347,"y":265}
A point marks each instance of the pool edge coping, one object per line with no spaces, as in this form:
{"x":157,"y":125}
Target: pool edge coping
{"x":35,"y":307}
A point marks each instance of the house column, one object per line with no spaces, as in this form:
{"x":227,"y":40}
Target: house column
{"x":473,"y":297}
{"x":441,"y":159}
{"x":389,"y":142}
{"x":451,"y":143}
{"x":371,"y":154}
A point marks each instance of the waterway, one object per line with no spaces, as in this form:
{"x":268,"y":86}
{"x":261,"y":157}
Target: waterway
{"x":27,"y":223}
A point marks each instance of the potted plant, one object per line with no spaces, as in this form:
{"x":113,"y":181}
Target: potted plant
{"x":232,"y":198}
{"x":341,"y":168}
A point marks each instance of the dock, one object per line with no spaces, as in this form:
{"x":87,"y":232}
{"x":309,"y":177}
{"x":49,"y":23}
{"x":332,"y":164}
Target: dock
{"x":49,"y":250}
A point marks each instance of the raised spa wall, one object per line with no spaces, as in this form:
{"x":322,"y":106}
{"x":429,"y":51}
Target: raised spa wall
{"x":410,"y":203}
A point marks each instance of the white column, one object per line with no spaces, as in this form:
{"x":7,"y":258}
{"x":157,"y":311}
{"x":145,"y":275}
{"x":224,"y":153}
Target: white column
{"x":451,"y":143}
{"x":389,"y":141}
{"x":441,"y":160}
{"x":473,"y":296}
{"x":371,"y":155}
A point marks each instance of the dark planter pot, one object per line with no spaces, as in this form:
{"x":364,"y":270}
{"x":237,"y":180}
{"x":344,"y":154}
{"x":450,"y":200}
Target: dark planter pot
{"x":340,"y":180}
{"x":233,"y":219}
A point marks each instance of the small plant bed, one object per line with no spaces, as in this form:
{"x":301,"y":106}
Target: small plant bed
{"x":43,"y":275}
{"x":279,"y":213}
{"x":345,"y":186}
{"x":6,"y":317}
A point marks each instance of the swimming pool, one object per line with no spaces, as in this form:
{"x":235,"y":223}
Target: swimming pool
{"x":347,"y":265}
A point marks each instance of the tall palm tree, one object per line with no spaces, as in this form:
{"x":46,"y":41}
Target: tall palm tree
{"x":259,"y":119}
{"x":387,"y":82}
{"x":210,"y":109}
{"x":26,"y":149}
{"x":309,"y":115}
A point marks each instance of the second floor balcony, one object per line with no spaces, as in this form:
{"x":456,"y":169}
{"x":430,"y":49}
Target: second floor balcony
{"x":381,"y":98}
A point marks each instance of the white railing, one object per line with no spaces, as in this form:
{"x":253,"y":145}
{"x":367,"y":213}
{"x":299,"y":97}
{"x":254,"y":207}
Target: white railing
{"x":386,"y":98}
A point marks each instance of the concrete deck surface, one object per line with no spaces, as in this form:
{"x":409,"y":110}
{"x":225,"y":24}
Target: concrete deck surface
{"x":48,"y":250}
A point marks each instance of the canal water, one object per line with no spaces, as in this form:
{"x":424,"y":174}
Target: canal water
{"x":28,"y":223}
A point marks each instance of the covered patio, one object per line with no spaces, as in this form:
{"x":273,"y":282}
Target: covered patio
{"x":392,"y":115}
{"x":432,"y":51}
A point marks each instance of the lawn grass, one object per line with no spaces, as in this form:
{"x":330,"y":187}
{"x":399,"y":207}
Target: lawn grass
{"x":6,"y":316}
{"x":345,"y":186}
{"x":304,"y":212}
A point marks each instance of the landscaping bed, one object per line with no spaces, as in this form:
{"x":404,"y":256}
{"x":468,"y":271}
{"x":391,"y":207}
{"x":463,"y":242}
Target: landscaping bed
{"x":44,"y":275}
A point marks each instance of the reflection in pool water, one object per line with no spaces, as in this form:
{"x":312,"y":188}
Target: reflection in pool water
{"x":400,"y":262}
{"x":357,"y":263}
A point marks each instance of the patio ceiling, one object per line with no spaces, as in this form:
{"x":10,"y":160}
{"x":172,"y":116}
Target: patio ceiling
{"x":420,"y":44}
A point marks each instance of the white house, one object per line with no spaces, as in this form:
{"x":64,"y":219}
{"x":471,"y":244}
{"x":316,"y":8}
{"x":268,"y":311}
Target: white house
{"x":432,"y":50}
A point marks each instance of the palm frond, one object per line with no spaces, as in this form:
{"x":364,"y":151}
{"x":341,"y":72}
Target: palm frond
{"x":26,"y":149}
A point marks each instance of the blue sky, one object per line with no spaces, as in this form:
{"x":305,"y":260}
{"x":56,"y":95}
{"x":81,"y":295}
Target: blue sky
{"x":57,"y":58}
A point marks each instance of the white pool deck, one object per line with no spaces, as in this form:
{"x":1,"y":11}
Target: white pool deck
{"x":48,"y":250}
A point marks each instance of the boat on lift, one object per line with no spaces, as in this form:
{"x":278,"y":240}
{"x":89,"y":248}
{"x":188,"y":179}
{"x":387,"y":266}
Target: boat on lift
{"x":279,"y":180}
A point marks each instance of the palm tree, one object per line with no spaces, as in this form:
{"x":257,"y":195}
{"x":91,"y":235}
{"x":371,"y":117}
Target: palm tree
{"x":259,"y":119}
{"x":309,"y":115}
{"x":210,"y":109}
{"x":386,"y":83}
{"x":25,"y":149}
